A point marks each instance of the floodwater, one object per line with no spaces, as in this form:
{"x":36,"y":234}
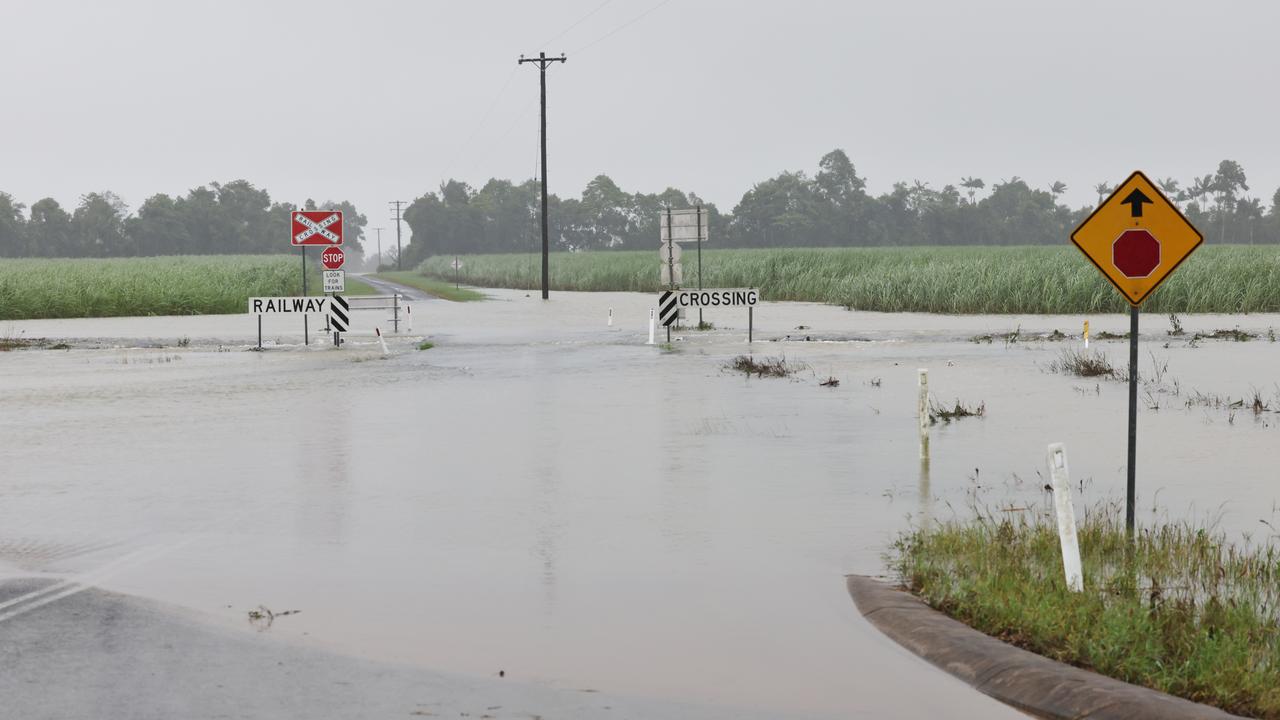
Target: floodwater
{"x":549,"y":496}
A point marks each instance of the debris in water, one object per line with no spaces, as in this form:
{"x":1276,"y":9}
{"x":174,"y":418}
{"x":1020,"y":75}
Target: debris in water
{"x":946,"y":415}
{"x":263,"y":616}
{"x":766,"y":367}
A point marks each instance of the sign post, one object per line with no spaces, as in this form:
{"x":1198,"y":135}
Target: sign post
{"x":1136,"y":238}
{"x":316,"y":227}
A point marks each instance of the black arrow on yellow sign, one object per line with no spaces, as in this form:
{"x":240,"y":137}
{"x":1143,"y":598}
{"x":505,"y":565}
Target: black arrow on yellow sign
{"x":1135,"y":200}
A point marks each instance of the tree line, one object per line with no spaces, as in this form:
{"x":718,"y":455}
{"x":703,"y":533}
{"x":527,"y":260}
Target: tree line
{"x":831,"y":207}
{"x":213,"y":219}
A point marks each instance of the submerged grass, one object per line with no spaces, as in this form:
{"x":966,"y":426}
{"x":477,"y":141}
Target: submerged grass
{"x":1085,"y":363}
{"x":975,"y":279}
{"x":947,"y":414}
{"x":765,"y":367}
{"x":1181,"y":610}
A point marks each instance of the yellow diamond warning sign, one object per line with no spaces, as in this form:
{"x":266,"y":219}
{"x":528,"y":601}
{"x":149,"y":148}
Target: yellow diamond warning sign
{"x":1137,"y":238}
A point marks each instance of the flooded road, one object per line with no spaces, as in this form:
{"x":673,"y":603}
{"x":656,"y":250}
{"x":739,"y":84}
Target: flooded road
{"x":547,"y":496}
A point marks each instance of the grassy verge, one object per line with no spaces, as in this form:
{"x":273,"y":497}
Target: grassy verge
{"x":438,"y":288}
{"x":1187,"y":612}
{"x":187,"y":285}
{"x":1223,"y":278}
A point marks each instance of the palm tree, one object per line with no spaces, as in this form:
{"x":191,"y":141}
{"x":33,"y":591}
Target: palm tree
{"x":1249,"y":210}
{"x":1103,"y":191}
{"x":1057,"y":188}
{"x":973,"y":185}
{"x":1171,"y":187}
{"x":1201,"y":187}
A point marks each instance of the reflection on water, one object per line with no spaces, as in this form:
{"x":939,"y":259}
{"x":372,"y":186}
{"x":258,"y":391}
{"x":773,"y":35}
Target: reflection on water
{"x":322,"y":448}
{"x":925,"y":495}
{"x":547,"y":449}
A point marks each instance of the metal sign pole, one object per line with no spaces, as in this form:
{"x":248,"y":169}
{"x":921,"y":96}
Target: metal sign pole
{"x":1133,"y":418}
{"x":306,"y":333}
{"x":259,"y":332}
{"x":751,"y":322}
{"x":699,"y":219}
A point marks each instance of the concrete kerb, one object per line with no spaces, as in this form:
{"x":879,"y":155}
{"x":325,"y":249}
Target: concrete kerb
{"x":1031,"y":683}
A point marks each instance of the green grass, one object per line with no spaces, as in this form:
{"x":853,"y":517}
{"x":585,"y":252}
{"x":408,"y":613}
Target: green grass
{"x":187,"y":285}
{"x":1185,"y":611}
{"x":1225,"y":278}
{"x":426,"y":345}
{"x":438,"y":288}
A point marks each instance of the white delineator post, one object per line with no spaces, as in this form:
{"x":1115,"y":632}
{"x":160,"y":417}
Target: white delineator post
{"x":382,"y":340}
{"x":922,"y":410}
{"x":408,"y":318}
{"x":1066,"y":517}
{"x":610,"y":317}
{"x":653,"y":327}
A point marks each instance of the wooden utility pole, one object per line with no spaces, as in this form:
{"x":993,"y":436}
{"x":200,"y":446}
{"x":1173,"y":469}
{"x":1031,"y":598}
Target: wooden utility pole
{"x":543,"y":61}
{"x":397,"y":204}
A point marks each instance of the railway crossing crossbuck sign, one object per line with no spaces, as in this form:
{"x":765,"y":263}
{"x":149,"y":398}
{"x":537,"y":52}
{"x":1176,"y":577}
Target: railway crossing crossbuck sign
{"x":671,"y":302}
{"x":1137,"y":238}
{"x":316,"y":227}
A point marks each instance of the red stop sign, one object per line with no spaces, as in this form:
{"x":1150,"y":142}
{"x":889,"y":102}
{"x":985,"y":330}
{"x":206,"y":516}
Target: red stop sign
{"x":332,"y":257}
{"x":1136,"y":253}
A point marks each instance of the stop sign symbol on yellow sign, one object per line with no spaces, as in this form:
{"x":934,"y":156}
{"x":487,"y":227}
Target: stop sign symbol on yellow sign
{"x":1137,"y":238}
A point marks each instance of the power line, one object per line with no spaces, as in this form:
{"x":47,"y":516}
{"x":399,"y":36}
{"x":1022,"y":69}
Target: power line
{"x":515,"y":120}
{"x":621,"y":27}
{"x":576,"y":23}
{"x":475,"y":130}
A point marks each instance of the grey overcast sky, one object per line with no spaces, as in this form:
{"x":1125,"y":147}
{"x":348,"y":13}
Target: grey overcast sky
{"x":375,"y":100}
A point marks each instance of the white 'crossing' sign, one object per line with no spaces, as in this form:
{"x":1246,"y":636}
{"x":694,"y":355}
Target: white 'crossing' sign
{"x":671,"y":302}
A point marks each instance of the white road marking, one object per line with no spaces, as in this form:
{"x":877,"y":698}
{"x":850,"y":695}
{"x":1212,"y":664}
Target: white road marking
{"x":82,"y":582}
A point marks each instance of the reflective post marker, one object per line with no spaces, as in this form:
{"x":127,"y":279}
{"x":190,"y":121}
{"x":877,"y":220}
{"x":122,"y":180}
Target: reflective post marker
{"x":1066,"y":517}
{"x":922,"y":410}
{"x":652,"y":326}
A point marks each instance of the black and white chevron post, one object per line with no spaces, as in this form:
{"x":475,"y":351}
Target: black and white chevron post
{"x":339,"y":314}
{"x":668,"y":308}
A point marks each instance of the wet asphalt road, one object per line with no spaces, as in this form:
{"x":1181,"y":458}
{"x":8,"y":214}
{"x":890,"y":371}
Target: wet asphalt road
{"x":96,"y":654}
